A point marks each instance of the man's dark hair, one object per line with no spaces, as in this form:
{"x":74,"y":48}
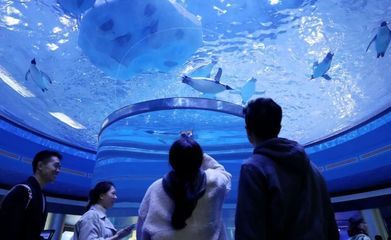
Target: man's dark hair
{"x":263,"y":118}
{"x":44,"y":156}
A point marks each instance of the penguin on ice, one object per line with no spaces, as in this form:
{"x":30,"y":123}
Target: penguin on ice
{"x":320,"y":69}
{"x":40,"y":78}
{"x":381,"y":39}
{"x":207,"y":85}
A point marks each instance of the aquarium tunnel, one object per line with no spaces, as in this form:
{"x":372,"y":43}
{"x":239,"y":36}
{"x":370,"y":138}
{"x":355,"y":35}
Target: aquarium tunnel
{"x":111,"y":84}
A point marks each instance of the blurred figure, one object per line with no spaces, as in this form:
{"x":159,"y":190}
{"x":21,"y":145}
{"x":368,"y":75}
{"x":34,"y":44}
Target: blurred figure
{"x":281,"y":194}
{"x":94,"y":224}
{"x":321,"y":69}
{"x":381,"y":39}
{"x":40,"y":78}
{"x":358,"y":229}
{"x":23,"y":210}
{"x":186,"y":203}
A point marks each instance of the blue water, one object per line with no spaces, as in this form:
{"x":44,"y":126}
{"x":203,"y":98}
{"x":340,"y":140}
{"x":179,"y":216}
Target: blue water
{"x":273,"y":41}
{"x":209,"y":128}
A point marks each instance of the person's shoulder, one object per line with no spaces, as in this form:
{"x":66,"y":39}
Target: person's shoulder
{"x":256,"y":161}
{"x":90,"y":214}
{"x":155,"y":187}
{"x":19,"y":190}
{"x":257,"y":165}
{"x":156,"y":184}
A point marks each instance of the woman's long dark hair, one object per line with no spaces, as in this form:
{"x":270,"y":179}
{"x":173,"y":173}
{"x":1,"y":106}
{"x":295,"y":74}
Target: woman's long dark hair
{"x":100,"y":188}
{"x":186,"y":183}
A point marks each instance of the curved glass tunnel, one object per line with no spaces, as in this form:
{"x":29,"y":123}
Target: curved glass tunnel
{"x":99,"y":61}
{"x":134,"y":143}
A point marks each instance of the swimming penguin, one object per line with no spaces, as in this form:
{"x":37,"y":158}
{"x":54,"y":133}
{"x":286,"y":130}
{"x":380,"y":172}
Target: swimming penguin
{"x":204,"y":70}
{"x":248,"y":90}
{"x":186,"y":133}
{"x":320,"y":69}
{"x":207,"y":85}
{"x":40,"y":78}
{"x":382,"y":39}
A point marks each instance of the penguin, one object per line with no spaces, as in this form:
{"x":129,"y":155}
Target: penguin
{"x":40,"y":78}
{"x":248,"y":90}
{"x":320,"y":69}
{"x":207,"y":85}
{"x":186,"y":133}
{"x":381,"y":39}
{"x":204,"y":70}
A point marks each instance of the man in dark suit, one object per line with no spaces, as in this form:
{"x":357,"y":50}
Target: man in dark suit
{"x":23,"y":209}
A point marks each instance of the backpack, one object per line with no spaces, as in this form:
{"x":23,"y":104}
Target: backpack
{"x":28,"y":190}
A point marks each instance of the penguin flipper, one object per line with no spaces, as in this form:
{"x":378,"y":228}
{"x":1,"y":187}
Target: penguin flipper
{"x":373,"y":39}
{"x":46,"y":77}
{"x":218,"y":75}
{"x":26,"y":75}
{"x":327,"y":77}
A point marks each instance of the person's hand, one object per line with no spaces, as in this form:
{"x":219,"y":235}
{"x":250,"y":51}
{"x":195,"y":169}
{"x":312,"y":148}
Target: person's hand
{"x":125,"y":231}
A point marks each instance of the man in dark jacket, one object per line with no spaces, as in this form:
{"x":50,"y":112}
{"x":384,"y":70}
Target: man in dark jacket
{"x":23,"y":209}
{"x":281,"y":194}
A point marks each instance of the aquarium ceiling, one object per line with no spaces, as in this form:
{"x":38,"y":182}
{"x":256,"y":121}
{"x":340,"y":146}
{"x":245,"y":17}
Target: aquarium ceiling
{"x":66,"y":65}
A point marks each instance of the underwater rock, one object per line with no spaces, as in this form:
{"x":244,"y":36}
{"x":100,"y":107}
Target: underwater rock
{"x":124,"y":38}
{"x":76,"y":7}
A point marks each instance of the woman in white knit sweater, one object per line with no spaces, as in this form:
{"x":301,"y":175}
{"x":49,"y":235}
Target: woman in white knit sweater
{"x":187,"y":202}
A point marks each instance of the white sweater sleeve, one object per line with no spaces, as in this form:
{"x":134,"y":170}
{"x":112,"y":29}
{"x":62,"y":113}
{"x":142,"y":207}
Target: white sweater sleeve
{"x":210,"y":163}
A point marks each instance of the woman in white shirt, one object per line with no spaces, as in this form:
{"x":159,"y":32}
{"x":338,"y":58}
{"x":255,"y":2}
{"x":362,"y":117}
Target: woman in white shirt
{"x":186,"y":203}
{"x":94,"y":224}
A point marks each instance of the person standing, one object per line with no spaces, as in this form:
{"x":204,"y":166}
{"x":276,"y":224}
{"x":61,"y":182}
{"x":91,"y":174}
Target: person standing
{"x":23,"y":210}
{"x":281,"y":193}
{"x":94,"y":224}
{"x":187,"y":202}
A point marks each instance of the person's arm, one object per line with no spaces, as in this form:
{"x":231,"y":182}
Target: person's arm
{"x":14,"y":207}
{"x":250,"y":219}
{"x":332,"y":227}
{"x":210,"y":163}
{"x":142,"y":214}
{"x":88,"y":229}
{"x":141,"y":234}
{"x":332,"y":224}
